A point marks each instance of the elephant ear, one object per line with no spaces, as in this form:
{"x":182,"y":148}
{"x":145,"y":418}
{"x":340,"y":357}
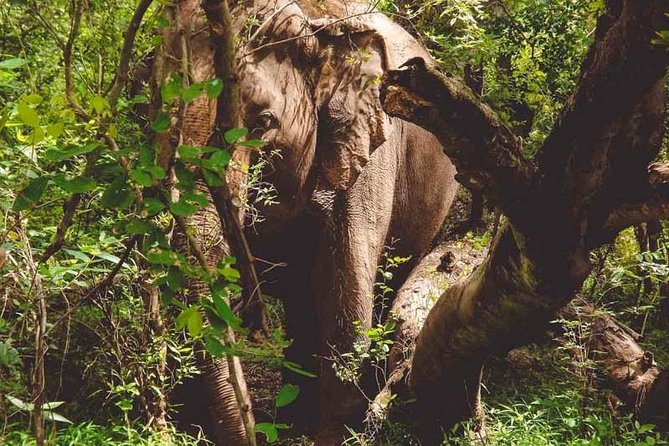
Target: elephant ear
{"x":352,"y":121}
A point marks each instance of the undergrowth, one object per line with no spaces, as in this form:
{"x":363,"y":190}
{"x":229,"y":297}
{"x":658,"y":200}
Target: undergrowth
{"x":89,"y":434}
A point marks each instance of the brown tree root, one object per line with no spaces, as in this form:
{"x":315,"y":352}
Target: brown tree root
{"x":629,"y":371}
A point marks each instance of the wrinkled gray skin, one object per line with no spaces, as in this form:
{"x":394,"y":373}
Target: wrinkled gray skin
{"x":350,"y":181}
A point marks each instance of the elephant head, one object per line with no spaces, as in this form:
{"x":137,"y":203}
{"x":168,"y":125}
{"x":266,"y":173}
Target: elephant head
{"x":310,"y":88}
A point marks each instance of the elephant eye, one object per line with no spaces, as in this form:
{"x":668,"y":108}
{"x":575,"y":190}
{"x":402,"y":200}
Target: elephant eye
{"x":264,"y":121}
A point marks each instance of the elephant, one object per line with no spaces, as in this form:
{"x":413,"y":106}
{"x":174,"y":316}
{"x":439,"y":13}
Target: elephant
{"x":349,"y":180}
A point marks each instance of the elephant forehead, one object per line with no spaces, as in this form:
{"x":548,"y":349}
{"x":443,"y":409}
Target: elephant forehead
{"x":269,"y":83}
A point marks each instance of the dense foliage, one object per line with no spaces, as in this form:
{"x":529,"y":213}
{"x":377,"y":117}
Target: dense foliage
{"x":81,"y":309}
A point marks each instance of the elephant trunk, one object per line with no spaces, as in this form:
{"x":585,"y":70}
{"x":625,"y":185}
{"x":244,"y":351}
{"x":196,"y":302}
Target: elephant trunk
{"x":228,"y":424}
{"x":229,"y":429}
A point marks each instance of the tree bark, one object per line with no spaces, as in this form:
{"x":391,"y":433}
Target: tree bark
{"x":626,"y":369}
{"x":444,"y":266}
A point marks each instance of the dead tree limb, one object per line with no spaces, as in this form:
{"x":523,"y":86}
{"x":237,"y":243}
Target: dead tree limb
{"x":628,"y":370}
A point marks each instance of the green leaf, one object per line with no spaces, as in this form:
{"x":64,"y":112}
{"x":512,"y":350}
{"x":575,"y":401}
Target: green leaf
{"x":78,"y":255}
{"x":222,"y":309}
{"x":27,"y":115}
{"x":211,"y":177}
{"x":99,"y":104}
{"x":184,"y":175}
{"x":269,"y":430}
{"x":194,"y":197}
{"x":218,"y":160}
{"x":161,"y":257}
{"x":33,"y":99}
{"x":295,"y":367}
{"x":192,"y":92}
{"x":78,"y":185}
{"x":188,"y":153}
{"x":141,"y":177}
{"x":55,"y":130}
{"x":20,"y":404}
{"x":183,"y":208}
{"x":139,"y":99}
{"x":229,"y":272}
{"x":12,"y":64}
{"x":214,"y":87}
{"x":31,"y":194}
{"x":53,"y":405}
{"x":9,"y":356}
{"x":70,"y":151}
{"x":118,"y":195}
{"x":36,"y":136}
{"x":153,"y":206}
{"x":108,"y":257}
{"x":4,"y":117}
{"x":214,"y":346}
{"x":146,"y":155}
{"x":234,"y":135}
{"x":161,"y":123}
{"x":162,"y":21}
{"x":287,"y":394}
{"x":171,"y":88}
{"x":255,"y":143}
{"x":175,"y":278}
{"x":191,"y":319}
{"x":138,"y":226}
{"x":156,"y":172}
{"x":52,"y":416}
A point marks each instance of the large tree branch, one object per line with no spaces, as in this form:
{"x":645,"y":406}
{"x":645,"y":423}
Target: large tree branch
{"x":655,"y":207}
{"x":622,"y":65}
{"x":487,"y":154}
{"x":652,"y":205}
{"x":541,"y":257}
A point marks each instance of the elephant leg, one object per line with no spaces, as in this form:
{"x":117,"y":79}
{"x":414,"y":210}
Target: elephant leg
{"x":343,"y":281}
{"x":285,"y":265}
{"x":302,"y":330}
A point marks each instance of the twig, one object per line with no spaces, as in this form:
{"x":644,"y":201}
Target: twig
{"x":38,"y":376}
{"x":126,"y":52}
{"x":102,"y":285}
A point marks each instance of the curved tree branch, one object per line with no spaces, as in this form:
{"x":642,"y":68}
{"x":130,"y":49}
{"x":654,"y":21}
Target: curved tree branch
{"x":541,"y":257}
{"x":487,"y":154}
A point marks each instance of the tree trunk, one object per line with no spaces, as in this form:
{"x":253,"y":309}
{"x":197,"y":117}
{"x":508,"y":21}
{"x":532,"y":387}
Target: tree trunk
{"x":479,"y":317}
{"x":188,"y":51}
{"x":444,"y":266}
{"x":557,"y":206}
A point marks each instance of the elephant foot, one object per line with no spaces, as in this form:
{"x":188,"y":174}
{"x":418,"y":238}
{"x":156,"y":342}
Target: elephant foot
{"x":330,"y":436}
{"x":342,"y":405}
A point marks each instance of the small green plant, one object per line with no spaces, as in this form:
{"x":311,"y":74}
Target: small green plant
{"x":286,"y":395}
